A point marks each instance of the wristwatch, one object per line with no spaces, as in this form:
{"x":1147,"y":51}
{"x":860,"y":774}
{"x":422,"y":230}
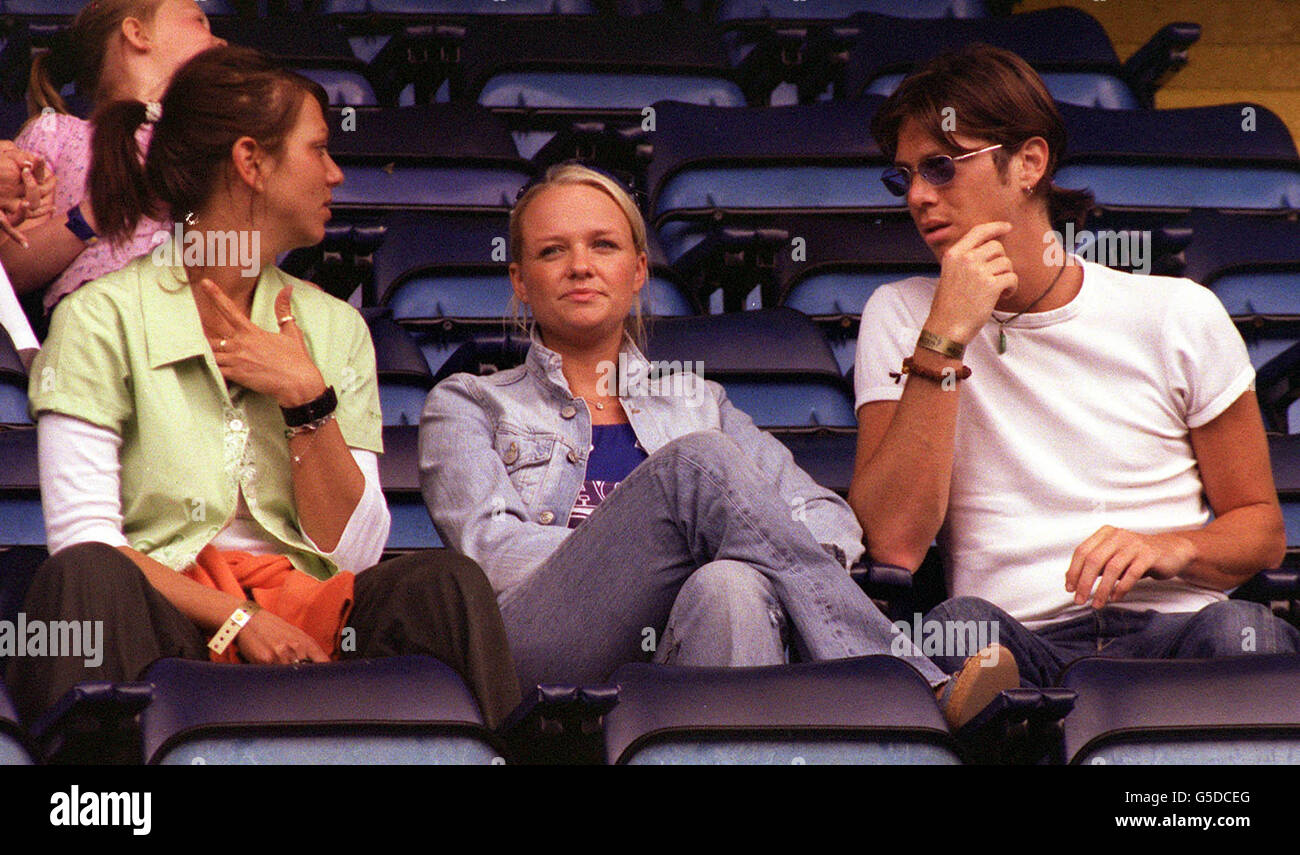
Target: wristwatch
{"x":311,"y":411}
{"x":78,"y":226}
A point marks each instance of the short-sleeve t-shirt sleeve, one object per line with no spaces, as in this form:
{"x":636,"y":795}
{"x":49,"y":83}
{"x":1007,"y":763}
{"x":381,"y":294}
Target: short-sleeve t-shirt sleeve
{"x":83,"y":369}
{"x":357,"y":388}
{"x":1205,"y":358}
{"x":886,"y":336}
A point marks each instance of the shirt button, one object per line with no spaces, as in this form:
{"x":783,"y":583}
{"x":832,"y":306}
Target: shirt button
{"x":569,"y":411}
{"x":572,"y":456}
{"x":236,"y":424}
{"x":512,"y":453}
{"x":546,"y":517}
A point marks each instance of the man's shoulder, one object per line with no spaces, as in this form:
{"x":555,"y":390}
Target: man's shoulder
{"x":911,"y":295}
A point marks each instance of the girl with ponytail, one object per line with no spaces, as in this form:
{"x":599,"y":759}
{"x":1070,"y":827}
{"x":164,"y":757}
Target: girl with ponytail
{"x":115,"y":50}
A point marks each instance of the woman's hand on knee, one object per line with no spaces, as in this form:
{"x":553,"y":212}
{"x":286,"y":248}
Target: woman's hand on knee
{"x":270,"y":640}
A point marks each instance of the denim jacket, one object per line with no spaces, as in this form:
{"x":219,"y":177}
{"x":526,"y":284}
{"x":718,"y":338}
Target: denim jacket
{"x":503,"y":458}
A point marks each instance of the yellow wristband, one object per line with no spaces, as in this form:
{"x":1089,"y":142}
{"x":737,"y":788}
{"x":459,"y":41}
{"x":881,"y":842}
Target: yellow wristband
{"x":238,"y":618}
{"x":939,"y":344}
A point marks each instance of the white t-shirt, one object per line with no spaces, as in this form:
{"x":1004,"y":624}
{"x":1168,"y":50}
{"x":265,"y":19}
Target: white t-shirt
{"x":1083,"y":422}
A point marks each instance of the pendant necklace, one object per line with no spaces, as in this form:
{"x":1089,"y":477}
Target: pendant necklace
{"x":1002,"y":325}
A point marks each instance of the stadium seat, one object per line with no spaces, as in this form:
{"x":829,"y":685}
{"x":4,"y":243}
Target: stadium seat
{"x":1252,"y":264}
{"x":316,"y":48}
{"x":543,"y":75}
{"x":431,"y":156}
{"x":399,"y":710}
{"x":399,"y":473}
{"x":1236,"y":711}
{"x":14,"y":750}
{"x":1067,"y":46}
{"x":794,"y":385}
{"x":13,"y":384}
{"x":1177,"y":160}
{"x":870,"y":710}
{"x":826,"y":456}
{"x":20,"y":486}
{"x":404,"y":378}
{"x":713,"y":166}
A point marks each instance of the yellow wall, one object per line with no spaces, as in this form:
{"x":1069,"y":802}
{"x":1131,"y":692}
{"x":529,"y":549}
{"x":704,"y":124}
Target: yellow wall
{"x":1249,"y":49}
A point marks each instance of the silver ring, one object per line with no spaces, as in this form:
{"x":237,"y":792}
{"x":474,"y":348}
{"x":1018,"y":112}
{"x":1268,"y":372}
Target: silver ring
{"x":221,"y":345}
{"x":286,"y":319}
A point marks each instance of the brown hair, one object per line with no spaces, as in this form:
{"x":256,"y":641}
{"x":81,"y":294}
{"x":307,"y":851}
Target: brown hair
{"x":220,"y":95}
{"x":77,"y":54}
{"x":994,"y":95}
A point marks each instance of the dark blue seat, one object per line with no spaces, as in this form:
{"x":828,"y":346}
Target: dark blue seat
{"x":399,"y":473}
{"x":21,"y":520}
{"x":430,"y":156}
{"x":1181,"y":159}
{"x":399,"y":710}
{"x":544,"y":74}
{"x":827,"y":456}
{"x":1252,"y":264}
{"x":316,"y":48}
{"x":13,"y":383}
{"x":1236,"y":711}
{"x":774,"y":364}
{"x":403,"y":374}
{"x":871,"y":710}
{"x":1067,"y":46}
{"x":714,"y":165}
{"x":14,"y":749}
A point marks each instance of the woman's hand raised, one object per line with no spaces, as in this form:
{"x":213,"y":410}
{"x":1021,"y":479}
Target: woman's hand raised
{"x":275,"y":364}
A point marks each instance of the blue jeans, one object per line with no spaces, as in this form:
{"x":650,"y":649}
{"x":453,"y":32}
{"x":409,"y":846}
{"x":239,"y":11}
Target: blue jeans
{"x":604,"y":596}
{"x":1228,"y":628}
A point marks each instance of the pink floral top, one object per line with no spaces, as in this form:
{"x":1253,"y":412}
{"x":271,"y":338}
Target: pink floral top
{"x":65,"y":143}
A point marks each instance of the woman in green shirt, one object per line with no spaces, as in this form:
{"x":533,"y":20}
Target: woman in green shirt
{"x":206,"y":420}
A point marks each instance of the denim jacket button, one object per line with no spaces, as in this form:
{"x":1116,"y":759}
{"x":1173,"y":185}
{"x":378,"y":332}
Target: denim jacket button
{"x":546,"y":518}
{"x":569,"y":411}
{"x":572,"y":456}
{"x":512,"y":453}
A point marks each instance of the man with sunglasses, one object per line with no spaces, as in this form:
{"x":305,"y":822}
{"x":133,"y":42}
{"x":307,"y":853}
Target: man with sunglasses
{"x":1064,"y":429}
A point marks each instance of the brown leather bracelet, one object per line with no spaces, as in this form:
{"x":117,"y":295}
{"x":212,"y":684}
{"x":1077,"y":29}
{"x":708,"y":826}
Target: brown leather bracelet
{"x":910,"y":367}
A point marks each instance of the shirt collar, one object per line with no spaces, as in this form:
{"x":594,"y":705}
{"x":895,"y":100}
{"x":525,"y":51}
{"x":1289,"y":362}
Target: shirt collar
{"x":546,"y":365}
{"x":173,"y":331}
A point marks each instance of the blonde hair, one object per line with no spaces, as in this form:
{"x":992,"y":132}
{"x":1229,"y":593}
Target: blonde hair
{"x":79,"y":56}
{"x":575,"y":173}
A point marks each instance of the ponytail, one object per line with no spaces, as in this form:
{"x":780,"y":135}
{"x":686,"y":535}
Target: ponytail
{"x":51,"y":71}
{"x":119,"y":191}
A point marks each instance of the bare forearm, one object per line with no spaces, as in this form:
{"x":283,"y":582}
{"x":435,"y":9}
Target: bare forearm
{"x":1234,"y":547}
{"x":900,"y":493}
{"x":327,"y":483}
{"x":52,"y":248}
{"x":206,"y":606}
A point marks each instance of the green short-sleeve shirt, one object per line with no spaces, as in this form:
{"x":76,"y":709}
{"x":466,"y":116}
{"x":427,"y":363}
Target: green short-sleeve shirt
{"x":127,"y":352}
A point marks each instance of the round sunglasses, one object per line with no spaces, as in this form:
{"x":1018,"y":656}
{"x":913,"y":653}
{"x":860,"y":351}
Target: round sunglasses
{"x":938,"y":170}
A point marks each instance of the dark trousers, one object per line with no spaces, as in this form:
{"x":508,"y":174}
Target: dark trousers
{"x":431,"y":602}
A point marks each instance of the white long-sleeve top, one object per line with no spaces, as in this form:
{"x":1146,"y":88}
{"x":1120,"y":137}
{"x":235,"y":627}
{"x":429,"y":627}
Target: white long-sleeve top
{"x":81,"y":497}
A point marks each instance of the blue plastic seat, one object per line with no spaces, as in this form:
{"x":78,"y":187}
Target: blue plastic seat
{"x":13,"y":384}
{"x":871,"y":710}
{"x":1236,"y":711}
{"x":14,"y":750}
{"x":399,"y":710}
{"x":403,"y":374}
{"x":715,"y":166}
{"x":431,"y":156}
{"x":21,"y":520}
{"x":543,"y":75}
{"x":1067,"y":46}
{"x":399,"y":473}
{"x":774,"y":364}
